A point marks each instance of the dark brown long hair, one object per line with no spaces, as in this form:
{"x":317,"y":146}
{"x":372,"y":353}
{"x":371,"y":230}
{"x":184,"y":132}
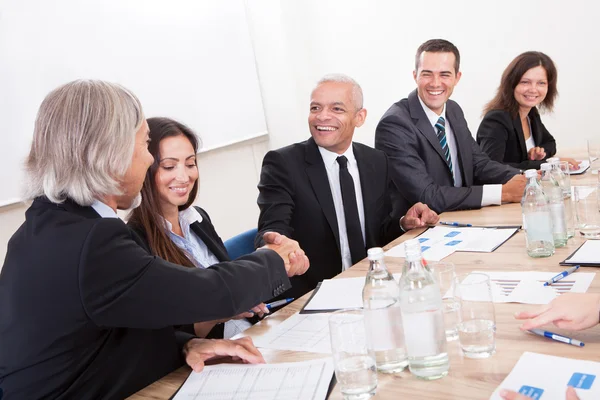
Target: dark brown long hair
{"x":149,"y":215}
{"x":505,"y":95}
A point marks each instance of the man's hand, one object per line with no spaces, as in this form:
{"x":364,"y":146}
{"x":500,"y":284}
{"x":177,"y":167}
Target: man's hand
{"x":510,"y":395}
{"x":536,"y":153}
{"x":571,"y":311}
{"x":512,"y":191}
{"x":417,"y":216}
{"x":296,"y":262}
{"x":197,"y":351}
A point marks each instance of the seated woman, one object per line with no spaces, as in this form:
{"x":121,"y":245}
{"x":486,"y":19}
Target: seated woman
{"x":166,"y":220}
{"x":512,"y":131}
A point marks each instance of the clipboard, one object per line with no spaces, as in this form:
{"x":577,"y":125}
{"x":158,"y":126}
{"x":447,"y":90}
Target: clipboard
{"x":567,"y":261}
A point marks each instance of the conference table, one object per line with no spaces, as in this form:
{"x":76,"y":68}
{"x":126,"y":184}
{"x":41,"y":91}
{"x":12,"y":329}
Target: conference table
{"x":467,"y":378}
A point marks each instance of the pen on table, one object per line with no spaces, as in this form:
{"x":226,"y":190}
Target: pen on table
{"x":561,"y":275}
{"x":558,"y":338}
{"x":457,"y":224}
{"x":279,"y":303}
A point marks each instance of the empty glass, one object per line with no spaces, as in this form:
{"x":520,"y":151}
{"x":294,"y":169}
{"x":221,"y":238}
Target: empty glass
{"x":568,"y":198}
{"x":354,"y":364}
{"x":444,"y":273}
{"x":587,"y":211}
{"x":477,"y":328}
{"x":594,"y":154}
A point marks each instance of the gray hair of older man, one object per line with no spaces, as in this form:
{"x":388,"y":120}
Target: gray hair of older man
{"x":83,"y":142}
{"x":357,"y":93}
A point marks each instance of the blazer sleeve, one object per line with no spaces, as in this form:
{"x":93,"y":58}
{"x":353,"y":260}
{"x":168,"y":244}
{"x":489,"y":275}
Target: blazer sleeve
{"x":397,"y":137}
{"x":275,"y":198}
{"x":122,"y":285}
{"x":492,"y":135}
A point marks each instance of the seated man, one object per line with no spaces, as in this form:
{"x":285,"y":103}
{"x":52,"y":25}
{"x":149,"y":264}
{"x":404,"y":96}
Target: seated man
{"x":330,"y":194}
{"x":433,"y":156}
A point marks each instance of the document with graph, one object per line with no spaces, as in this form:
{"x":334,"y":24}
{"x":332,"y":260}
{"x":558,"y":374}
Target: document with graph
{"x":295,"y":380}
{"x":300,"y":332}
{"x":528,"y":286}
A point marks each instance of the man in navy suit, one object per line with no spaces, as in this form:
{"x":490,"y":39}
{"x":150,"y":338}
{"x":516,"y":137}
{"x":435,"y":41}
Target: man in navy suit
{"x":433,"y":156}
{"x":302,"y":189}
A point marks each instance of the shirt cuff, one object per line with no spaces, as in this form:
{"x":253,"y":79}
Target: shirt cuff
{"x":491,"y":196}
{"x":400,"y":222}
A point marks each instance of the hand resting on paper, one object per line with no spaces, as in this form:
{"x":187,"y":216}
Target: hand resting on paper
{"x":571,"y":311}
{"x":197,"y":351}
{"x":510,"y":395}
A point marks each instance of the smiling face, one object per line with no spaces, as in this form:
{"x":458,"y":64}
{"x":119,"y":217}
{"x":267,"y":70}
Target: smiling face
{"x":177,"y":172}
{"x":436,"y":78}
{"x":532,"y":88}
{"x":334,"y":115}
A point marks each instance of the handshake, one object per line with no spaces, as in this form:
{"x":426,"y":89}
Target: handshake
{"x":296,"y":262}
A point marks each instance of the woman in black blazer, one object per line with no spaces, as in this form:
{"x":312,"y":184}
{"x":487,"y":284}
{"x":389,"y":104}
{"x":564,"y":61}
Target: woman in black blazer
{"x":171,"y":227}
{"x":512,"y":131}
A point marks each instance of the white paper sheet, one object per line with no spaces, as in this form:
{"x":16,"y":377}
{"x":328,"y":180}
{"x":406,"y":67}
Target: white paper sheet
{"x":441,"y":241}
{"x":300,"y":332}
{"x":528,"y":286}
{"x":295,"y":380}
{"x":588,"y":253}
{"x":336,"y":294}
{"x":546,"y":377}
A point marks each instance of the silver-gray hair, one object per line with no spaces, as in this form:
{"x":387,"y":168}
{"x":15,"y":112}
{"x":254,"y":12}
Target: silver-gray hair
{"x":83,"y":142}
{"x":357,"y":93}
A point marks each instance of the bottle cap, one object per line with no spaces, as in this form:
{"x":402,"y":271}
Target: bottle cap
{"x":530,"y":173}
{"x":553,"y":160}
{"x":545,"y":167}
{"x":375,"y":253}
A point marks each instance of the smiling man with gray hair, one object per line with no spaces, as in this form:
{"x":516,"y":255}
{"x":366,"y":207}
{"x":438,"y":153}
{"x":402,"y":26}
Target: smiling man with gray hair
{"x":330,"y":194}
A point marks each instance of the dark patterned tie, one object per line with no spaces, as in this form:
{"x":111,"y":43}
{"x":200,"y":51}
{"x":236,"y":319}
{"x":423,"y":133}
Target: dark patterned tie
{"x":441,"y":134}
{"x":355,"y":239}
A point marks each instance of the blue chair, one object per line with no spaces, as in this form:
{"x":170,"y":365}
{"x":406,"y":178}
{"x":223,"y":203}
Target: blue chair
{"x":241,"y":244}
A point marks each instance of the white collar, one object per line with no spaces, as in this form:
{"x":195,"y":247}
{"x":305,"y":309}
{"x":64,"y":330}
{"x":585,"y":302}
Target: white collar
{"x":103,"y":210}
{"x":330,"y":158}
{"x":431,"y":115}
{"x":186,"y":218}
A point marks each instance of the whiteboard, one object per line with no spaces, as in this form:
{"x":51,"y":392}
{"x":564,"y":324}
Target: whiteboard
{"x":191,"y":60}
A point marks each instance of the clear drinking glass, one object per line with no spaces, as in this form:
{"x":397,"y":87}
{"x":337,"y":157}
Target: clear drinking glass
{"x":593,"y":145}
{"x":444,"y":273}
{"x":587,"y":211}
{"x":354,"y":364}
{"x":568,"y":198}
{"x":477,"y":328}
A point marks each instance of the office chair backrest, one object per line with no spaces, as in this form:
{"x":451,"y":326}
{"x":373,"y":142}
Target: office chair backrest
{"x":241,"y":244}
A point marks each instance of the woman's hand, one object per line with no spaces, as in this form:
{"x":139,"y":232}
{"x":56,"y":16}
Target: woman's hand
{"x":536,"y":153}
{"x":571,"y":311}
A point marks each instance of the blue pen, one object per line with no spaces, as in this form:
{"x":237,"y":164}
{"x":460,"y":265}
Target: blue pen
{"x":279,"y":303}
{"x":457,"y":224}
{"x":561,"y":275}
{"x":558,"y":338}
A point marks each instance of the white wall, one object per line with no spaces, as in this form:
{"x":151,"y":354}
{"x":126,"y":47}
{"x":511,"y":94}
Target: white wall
{"x":296,"y":42}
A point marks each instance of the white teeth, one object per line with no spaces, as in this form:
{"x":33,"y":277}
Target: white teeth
{"x":326,"y":128}
{"x":179,"y":190}
{"x":436,"y":93}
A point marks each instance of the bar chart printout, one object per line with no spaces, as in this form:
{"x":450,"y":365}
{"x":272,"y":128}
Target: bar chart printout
{"x":296,"y":380}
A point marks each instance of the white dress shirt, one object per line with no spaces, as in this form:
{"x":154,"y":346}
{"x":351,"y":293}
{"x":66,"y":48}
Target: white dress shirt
{"x":103,"y":210}
{"x":492,"y":194}
{"x":333,"y":174}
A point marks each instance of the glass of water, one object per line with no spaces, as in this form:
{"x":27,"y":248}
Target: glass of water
{"x":593,"y":145}
{"x":477,"y":327}
{"x":587,"y":211}
{"x":354,"y":364}
{"x":444,"y":273}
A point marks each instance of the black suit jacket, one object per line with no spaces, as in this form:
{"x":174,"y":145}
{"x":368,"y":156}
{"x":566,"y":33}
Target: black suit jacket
{"x":87,"y":313}
{"x":502,"y":138}
{"x":418,"y":165}
{"x":295,"y":200}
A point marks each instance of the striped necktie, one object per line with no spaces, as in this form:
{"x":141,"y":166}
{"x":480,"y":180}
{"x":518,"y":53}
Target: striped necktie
{"x":441,"y":134}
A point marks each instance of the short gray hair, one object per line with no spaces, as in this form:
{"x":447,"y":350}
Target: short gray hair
{"x":82,"y":142}
{"x":357,"y":94}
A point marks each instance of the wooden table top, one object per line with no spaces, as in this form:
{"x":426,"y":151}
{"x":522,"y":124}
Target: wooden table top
{"x":468,"y":378}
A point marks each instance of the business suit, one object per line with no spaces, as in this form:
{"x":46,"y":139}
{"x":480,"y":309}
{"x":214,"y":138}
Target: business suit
{"x":418,"y":164}
{"x":501,"y":137}
{"x":86,"y":312}
{"x":205,"y":230}
{"x":295,"y":200}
